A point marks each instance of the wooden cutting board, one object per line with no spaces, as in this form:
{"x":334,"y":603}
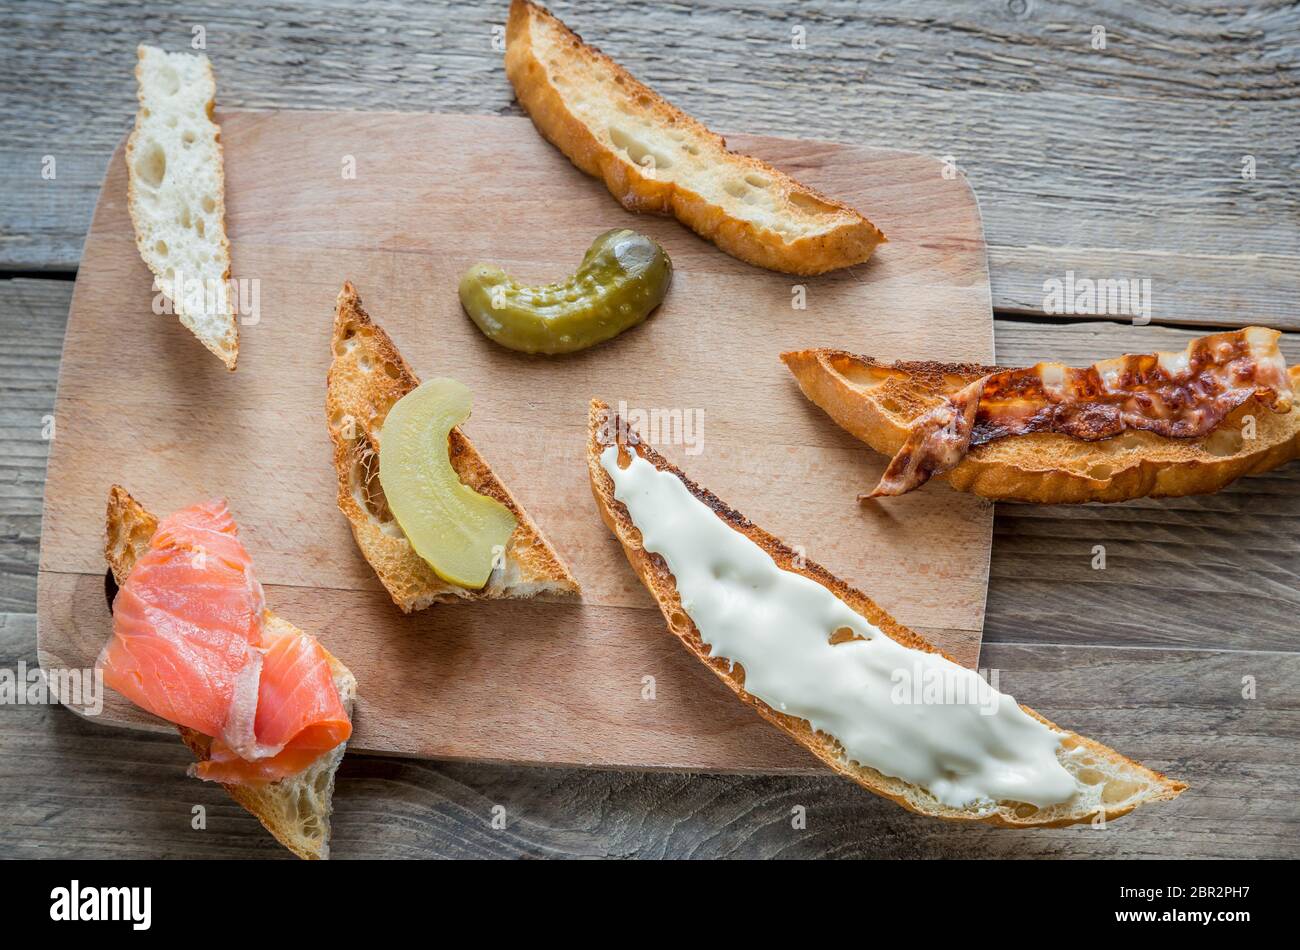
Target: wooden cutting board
{"x":597,"y":681}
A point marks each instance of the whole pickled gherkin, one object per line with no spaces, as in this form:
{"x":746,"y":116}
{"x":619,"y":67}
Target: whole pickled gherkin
{"x":623,"y":277}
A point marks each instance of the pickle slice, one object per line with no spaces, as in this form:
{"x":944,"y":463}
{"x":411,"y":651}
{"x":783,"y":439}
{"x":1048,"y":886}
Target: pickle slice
{"x":459,"y":532}
{"x":623,"y":277}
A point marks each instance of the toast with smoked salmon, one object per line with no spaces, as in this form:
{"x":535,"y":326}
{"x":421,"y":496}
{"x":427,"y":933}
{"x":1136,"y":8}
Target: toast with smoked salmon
{"x":655,"y":158}
{"x":1099,"y":783}
{"x":1213,"y":421}
{"x":366,"y":378}
{"x":295,"y":807}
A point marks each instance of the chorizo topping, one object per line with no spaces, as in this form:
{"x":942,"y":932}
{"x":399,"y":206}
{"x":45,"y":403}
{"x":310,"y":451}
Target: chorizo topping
{"x":1177,"y":395}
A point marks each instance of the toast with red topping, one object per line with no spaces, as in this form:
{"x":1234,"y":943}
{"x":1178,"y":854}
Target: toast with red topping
{"x":1154,"y":425}
{"x":655,"y":158}
{"x":296,"y":808}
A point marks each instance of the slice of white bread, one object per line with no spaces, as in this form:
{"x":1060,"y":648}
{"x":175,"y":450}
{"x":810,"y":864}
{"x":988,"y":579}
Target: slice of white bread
{"x":876,"y":402}
{"x":176,"y":194}
{"x":296,"y":809}
{"x":367,"y":376}
{"x":1108,"y":783}
{"x":653,"y":157}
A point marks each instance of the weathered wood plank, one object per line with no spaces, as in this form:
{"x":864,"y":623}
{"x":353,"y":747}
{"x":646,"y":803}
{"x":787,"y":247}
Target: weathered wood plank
{"x":1122,"y":162}
{"x":125,"y":794}
{"x":33,"y":314}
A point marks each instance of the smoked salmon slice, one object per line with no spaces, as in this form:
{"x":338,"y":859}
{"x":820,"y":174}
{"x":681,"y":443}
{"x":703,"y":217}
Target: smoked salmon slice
{"x":298,"y":713}
{"x":190,"y":643}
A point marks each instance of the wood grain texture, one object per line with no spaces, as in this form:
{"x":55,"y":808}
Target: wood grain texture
{"x":1122,"y":162}
{"x":124,"y":793}
{"x":33,"y":314}
{"x":1166,"y":691}
{"x":546,"y":682}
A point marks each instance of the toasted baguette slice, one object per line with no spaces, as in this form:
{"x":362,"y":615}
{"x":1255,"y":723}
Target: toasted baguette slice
{"x":1109,"y":784}
{"x":876,"y":402}
{"x":653,"y":157}
{"x":366,"y":377}
{"x":296,"y":809}
{"x":176,"y":194}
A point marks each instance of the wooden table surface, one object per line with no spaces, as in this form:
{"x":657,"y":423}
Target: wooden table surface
{"x":1169,"y":155}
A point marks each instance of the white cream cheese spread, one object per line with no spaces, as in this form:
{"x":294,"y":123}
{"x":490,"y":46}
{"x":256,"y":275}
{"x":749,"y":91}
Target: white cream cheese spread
{"x":907,"y":713}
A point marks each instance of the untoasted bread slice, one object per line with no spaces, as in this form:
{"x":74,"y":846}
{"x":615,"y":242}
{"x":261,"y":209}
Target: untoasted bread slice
{"x":876,"y":402}
{"x":296,"y":809}
{"x":653,"y":157}
{"x":176,"y":194}
{"x":1109,"y":783}
{"x":366,"y":377}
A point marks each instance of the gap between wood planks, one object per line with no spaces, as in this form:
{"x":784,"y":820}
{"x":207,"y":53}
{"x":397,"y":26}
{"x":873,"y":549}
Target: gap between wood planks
{"x":1018,"y":316}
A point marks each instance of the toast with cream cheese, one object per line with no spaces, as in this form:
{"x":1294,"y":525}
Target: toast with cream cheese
{"x":769,"y":624}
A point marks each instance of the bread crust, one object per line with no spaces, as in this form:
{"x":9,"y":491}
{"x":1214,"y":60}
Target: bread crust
{"x":850,"y":242}
{"x":874,"y":401}
{"x":366,"y":377}
{"x":295,"y":809}
{"x":605,"y":429}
